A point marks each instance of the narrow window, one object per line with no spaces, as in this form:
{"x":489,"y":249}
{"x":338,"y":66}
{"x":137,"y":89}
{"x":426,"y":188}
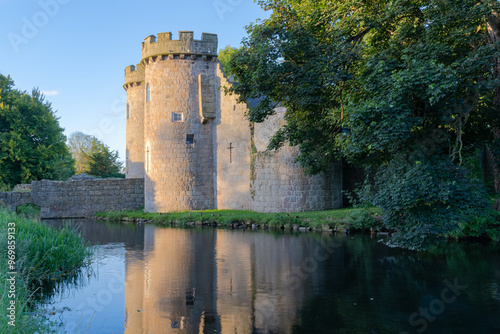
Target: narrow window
{"x":177,"y":117}
{"x":230,"y":148}
{"x":190,"y":139}
{"x":128,"y":112}
{"x":148,"y":93}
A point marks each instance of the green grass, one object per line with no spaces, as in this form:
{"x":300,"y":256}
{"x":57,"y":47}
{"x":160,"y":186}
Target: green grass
{"x":44,"y":256}
{"x":330,"y":219}
{"x":24,"y":322}
{"x":29,"y":210}
{"x":357,"y":219}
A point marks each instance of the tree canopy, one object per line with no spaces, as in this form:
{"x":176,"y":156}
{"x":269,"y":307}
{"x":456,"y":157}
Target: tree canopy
{"x":225,"y":58}
{"x":79,"y":145}
{"x":32,"y":143}
{"x":405,"y":88}
{"x":94,"y":157}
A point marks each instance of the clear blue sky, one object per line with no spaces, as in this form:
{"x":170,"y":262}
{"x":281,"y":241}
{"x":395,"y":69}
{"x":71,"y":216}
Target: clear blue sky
{"x":76,"y":51}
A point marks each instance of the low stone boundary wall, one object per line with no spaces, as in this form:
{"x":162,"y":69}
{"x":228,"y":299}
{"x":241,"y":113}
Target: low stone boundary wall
{"x":76,"y":199}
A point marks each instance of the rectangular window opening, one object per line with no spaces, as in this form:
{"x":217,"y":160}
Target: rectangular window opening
{"x":190,"y":139}
{"x":177,"y":117}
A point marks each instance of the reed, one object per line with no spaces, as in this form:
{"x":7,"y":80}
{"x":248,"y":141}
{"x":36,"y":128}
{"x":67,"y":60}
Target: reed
{"x":43,"y":255}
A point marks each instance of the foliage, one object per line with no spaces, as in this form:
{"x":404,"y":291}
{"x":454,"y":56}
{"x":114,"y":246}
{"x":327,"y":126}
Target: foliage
{"x":481,"y":226}
{"x":472,"y":162}
{"x":102,"y":161}
{"x":43,"y":255}
{"x":400,"y":87}
{"x":225,"y":58}
{"x":25,"y":322}
{"x":94,"y":157}
{"x":61,"y":167}
{"x":32,"y":144}
{"x":80,"y":144}
{"x":426,"y":201}
{"x":29,"y":211}
{"x":362,"y":219}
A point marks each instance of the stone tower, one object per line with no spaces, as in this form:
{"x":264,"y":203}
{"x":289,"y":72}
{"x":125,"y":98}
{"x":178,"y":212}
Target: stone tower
{"x":179,"y":93}
{"x":134,"y":85}
{"x":195,"y":147}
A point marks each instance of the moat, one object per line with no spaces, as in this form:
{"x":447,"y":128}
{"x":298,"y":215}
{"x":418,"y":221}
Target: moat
{"x":149,"y":279}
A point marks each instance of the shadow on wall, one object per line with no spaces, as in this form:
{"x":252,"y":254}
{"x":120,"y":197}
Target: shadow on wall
{"x":134,"y":169}
{"x":232,"y":148}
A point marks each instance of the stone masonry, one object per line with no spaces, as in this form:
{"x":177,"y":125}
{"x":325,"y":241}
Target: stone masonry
{"x":197,"y":149}
{"x":78,"y":199}
{"x":134,"y":83}
{"x":279,"y":184}
{"x":178,"y":133}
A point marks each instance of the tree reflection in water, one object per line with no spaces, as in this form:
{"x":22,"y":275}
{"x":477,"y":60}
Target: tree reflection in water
{"x":221,"y":281}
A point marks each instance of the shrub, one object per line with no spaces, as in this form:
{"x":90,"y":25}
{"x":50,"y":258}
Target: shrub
{"x":362,"y":219}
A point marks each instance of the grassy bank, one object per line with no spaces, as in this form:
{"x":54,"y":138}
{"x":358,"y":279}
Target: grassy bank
{"x":43,"y":255}
{"x":339,"y":219}
{"x":354,"y":219}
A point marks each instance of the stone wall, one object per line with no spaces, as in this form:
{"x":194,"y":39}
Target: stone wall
{"x":136,"y":92}
{"x":13,"y":199}
{"x":179,"y":173}
{"x":76,"y":199}
{"x":279,"y":184}
{"x":232,"y":149}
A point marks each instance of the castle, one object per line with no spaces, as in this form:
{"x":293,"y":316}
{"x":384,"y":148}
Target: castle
{"x":194,"y":146}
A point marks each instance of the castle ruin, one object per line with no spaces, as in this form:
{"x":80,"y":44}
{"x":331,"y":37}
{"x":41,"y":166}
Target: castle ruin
{"x":194,"y":146}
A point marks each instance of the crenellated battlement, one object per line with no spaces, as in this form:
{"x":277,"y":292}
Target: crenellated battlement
{"x":163,"y":44}
{"x":134,"y":74}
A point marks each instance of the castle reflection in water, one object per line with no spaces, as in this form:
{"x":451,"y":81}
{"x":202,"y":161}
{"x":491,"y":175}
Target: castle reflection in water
{"x":184,"y":281}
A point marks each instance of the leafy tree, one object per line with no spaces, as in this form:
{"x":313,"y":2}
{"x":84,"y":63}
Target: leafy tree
{"x":104,"y":163}
{"x":93,"y":157}
{"x":61,"y":167}
{"x":101,"y":161}
{"x":405,"y":88}
{"x":225,"y":58}
{"x":30,"y":138}
{"x":79,"y":145}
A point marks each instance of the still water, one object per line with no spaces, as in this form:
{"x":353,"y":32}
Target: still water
{"x":149,"y":279}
